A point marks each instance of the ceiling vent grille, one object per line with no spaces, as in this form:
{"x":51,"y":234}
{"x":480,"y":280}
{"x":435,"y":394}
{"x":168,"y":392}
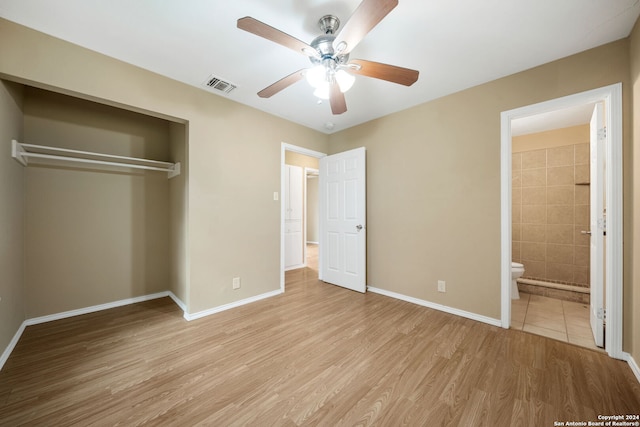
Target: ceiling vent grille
{"x":219,"y":84}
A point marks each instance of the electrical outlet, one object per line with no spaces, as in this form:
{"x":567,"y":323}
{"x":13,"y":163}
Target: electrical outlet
{"x":236,"y":283}
{"x":442,"y":286}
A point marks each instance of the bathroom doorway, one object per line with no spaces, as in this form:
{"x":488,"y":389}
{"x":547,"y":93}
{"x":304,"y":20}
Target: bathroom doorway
{"x":550,"y":213}
{"x":546,"y":201}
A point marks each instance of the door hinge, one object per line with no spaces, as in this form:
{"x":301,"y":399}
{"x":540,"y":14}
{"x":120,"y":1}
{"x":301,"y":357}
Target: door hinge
{"x":602,"y":313}
{"x":602,"y":133}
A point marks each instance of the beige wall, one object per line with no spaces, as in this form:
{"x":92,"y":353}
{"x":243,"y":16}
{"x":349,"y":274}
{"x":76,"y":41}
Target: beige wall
{"x":550,"y":207}
{"x":93,"y":235}
{"x":632,"y":193}
{"x":11,"y":216}
{"x":304,"y":161}
{"x":225,"y":239}
{"x":551,"y":138}
{"x":433,"y":182}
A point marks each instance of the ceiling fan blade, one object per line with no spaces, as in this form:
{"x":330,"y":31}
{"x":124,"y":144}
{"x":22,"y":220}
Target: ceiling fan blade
{"x":281,"y":84}
{"x":366,"y":16}
{"x":377,"y":70}
{"x":336,"y":99}
{"x":263,"y":30}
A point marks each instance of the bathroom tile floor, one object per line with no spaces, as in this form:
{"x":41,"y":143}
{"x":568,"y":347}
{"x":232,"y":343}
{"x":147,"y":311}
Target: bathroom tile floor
{"x":562,"y":320}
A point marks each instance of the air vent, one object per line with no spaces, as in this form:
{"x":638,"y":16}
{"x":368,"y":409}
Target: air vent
{"x":220,"y":85}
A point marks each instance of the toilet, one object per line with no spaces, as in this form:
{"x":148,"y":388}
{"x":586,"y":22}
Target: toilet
{"x":517,"y":270}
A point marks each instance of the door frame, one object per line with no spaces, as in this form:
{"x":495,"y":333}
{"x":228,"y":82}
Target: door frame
{"x":612,"y":97}
{"x":284,"y":147}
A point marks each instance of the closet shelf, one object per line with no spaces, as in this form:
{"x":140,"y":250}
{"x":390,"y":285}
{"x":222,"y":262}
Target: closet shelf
{"x":22,"y":152}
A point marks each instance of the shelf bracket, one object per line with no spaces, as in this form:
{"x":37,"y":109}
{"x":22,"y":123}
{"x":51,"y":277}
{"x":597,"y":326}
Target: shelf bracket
{"x":17,"y":152}
{"x":175,"y":171}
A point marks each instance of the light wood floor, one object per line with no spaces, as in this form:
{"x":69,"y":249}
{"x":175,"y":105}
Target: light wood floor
{"x":316,"y":355}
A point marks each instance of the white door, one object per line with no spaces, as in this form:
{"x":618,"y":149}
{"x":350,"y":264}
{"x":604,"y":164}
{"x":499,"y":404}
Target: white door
{"x":597,"y":226}
{"x":293,"y":235}
{"x":343,"y":234}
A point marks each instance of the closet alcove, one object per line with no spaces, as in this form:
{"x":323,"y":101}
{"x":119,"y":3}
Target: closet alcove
{"x":96,"y":234}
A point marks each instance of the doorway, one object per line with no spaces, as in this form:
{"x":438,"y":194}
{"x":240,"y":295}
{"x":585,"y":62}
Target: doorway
{"x":551,"y":204}
{"x":611,"y":98}
{"x":342,"y":227}
{"x":288,"y":149}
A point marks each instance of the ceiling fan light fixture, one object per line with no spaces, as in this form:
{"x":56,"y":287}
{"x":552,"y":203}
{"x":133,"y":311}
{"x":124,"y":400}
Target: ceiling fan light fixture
{"x":345,"y":80}
{"x":316,"y":76}
{"x":331,"y":75}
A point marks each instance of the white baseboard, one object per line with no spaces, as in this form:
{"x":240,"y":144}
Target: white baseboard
{"x":231,"y":305}
{"x":94,"y":308}
{"x":439,"y":307}
{"x":12,"y":345}
{"x":633,"y":365}
{"x":310,"y":242}
{"x":178,"y":302}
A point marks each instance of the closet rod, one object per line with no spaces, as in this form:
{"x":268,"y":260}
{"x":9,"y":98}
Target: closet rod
{"x":20,"y":153}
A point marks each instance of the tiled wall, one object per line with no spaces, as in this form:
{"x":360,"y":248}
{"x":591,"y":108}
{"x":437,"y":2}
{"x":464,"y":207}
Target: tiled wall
{"x":550,"y":208}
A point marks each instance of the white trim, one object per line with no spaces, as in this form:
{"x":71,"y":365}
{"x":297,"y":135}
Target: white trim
{"x":435,"y":306}
{"x":12,"y":345}
{"x":633,"y":365}
{"x":612,"y":96}
{"x":505,"y":222}
{"x":231,"y":305}
{"x":307,"y":152}
{"x":178,"y":301}
{"x":94,"y":308}
{"x":614,"y":206}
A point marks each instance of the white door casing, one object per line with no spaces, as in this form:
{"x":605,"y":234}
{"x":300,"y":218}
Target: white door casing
{"x":342,"y":219}
{"x":596,"y":187}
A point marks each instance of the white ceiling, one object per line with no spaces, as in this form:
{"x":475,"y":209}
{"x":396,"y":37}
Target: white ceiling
{"x":454,"y":44}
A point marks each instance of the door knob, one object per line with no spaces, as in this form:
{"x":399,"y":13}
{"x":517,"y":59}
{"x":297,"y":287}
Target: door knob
{"x":359,"y":227}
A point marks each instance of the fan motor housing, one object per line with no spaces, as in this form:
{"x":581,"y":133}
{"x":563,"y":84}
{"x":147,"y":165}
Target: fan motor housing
{"x":324,"y":45}
{"x":329,"y":24}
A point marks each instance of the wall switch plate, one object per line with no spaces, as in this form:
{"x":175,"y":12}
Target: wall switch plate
{"x":236,"y":283}
{"x":442,"y":286}
{"x":275,"y":195}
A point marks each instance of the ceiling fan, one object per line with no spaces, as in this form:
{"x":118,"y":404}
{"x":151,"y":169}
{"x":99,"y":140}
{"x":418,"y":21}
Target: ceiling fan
{"x":332,"y":73}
